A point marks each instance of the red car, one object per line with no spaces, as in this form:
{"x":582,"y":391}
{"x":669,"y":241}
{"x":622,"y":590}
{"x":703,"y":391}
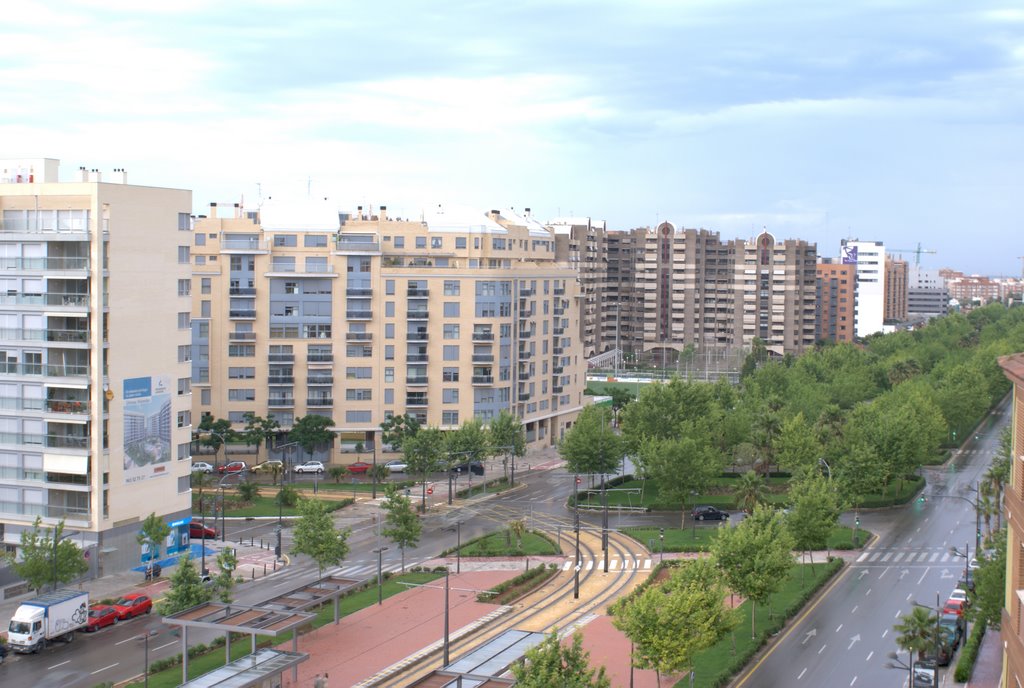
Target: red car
{"x":955,"y":607}
{"x":233,"y":467}
{"x":132,"y":605}
{"x":196,"y":529}
{"x":358,"y":467}
{"x":100,"y":616}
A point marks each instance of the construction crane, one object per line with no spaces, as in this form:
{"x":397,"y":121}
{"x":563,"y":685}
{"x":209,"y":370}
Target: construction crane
{"x":916,"y":251}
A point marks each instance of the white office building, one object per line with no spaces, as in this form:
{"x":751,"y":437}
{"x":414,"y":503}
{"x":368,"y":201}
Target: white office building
{"x":869,"y":309}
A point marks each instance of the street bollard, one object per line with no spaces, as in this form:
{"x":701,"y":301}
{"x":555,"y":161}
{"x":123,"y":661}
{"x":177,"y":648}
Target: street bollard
{"x":254,"y":574}
{"x":264,"y":570}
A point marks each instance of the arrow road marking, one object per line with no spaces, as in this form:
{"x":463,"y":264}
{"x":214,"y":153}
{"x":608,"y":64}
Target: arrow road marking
{"x":862,"y":574}
{"x":853,"y":640}
{"x":946,"y":574}
{"x":810,"y":634}
{"x":903,"y":573}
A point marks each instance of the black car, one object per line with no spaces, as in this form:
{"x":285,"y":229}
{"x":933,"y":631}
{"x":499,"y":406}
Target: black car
{"x":474,"y":467}
{"x":709,"y":513}
{"x":953,"y":625}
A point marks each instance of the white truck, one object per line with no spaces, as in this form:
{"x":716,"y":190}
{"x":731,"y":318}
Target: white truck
{"x":51,"y":616}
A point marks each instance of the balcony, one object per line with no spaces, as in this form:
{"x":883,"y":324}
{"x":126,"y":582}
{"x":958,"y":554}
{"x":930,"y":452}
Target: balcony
{"x":241,"y":336}
{"x":281,"y":380}
{"x":525,"y":312}
{"x":557,"y":370}
{"x":558,"y":311}
{"x":483,"y":380}
{"x":524,"y":397}
{"x":483,"y":336}
{"x":483,"y":358}
{"x":314,"y":357}
{"x":558,"y":350}
{"x":524,"y":375}
{"x":66,"y":442}
{"x":242,"y":291}
{"x":416,"y":358}
{"x":417,"y":400}
{"x":242,"y":314}
{"x":349,"y":245}
{"x":320,"y":402}
{"x":54,"y":511}
{"x":359,"y":336}
{"x":558,"y":330}
{"x":417,"y":292}
{"x":67,"y":370}
{"x":526,"y":291}
{"x":558,"y":291}
{"x":320,"y":380}
{"x":281,"y":402}
{"x":359,"y":315}
{"x":359,"y":291}
{"x":416,"y":380}
{"x":416,"y":336}
{"x":49,"y":299}
{"x":525,"y":354}
{"x":557,"y":389}
{"x":58,"y":264}
{"x":67,"y":406}
{"x":230,"y":243}
{"x":281,"y":358}
{"x":417,"y":314}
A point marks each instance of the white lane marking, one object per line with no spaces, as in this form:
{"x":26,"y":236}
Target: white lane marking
{"x":797,"y":678}
{"x":909,"y":596}
{"x":822,"y":648}
{"x":853,"y":681}
{"x":173,"y":642}
{"x":105,"y":668}
{"x":886,"y":631}
{"x":66,"y":661}
{"x":854,"y":610}
{"x":897,"y":613}
{"x":868,"y":592}
{"x":926,"y":569}
{"x":840,"y":628}
{"x":870,"y":654}
{"x":126,"y":640}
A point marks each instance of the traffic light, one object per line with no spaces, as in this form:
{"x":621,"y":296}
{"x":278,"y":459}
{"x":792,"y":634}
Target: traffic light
{"x":662,"y":532}
{"x":856,"y":521}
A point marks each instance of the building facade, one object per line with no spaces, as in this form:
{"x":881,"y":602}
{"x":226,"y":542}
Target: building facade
{"x":94,"y":380}
{"x":836,"y":289}
{"x":868,"y":257}
{"x":927,"y":296}
{"x":1011,"y":627}
{"x":301,"y":310}
{"x":896,"y":286}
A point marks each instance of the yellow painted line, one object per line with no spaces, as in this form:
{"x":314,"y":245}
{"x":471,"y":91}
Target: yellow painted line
{"x":846,"y":569}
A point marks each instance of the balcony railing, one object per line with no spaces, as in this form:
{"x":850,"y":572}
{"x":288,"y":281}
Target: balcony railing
{"x":67,"y":406}
{"x":46,"y":511}
{"x":359,"y":291}
{"x":66,"y":370}
{"x":39,"y":335}
{"x":49,"y":299}
{"x":416,"y":400}
{"x":320,"y":401}
{"x":527,"y":292}
{"x":281,"y":380}
{"x":523,"y":375}
{"x":483,"y":358}
{"x":242,"y":291}
{"x":483,"y":380}
{"x":417,"y":358}
{"x":558,"y":330}
{"x":280,"y":402}
{"x":240,"y":244}
{"x":241,"y":336}
{"x":319,"y":358}
{"x":483,"y":336}
{"x":558,"y":350}
{"x":523,"y":355}
{"x":281,"y":358}
{"x":417,"y":314}
{"x":557,"y":370}
{"x":320,"y":380}
{"x":416,"y":337}
{"x":414,"y":292}
{"x":416,"y":380}
{"x":359,"y":315}
{"x":74,"y":263}
{"x":22,"y":226}
{"x":558,"y":291}
{"x":48,"y":405}
{"x":557,"y":389}
{"x":242,"y":314}
{"x":359,"y":336}
{"x":350,"y":245}
{"x":524,"y":397}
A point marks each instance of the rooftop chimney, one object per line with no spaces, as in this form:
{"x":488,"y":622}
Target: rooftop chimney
{"x":383,"y":212}
{"x":120,"y":175}
{"x":495,"y":214}
{"x":83,"y":174}
{"x":95,"y":176}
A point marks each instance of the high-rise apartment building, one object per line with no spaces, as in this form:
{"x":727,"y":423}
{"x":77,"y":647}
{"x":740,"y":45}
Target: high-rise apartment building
{"x":301,"y":310}
{"x":927,"y":296}
{"x":1013,"y":609}
{"x":582,"y":244}
{"x":869,"y":259}
{"x":835,"y":300}
{"x":896,"y":285}
{"x":94,"y":360}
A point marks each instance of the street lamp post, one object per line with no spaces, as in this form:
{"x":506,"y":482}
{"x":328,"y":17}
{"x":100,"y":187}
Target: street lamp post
{"x":897,"y":663}
{"x":446,"y":636}
{"x":965,"y":555}
{"x":604,"y":520}
{"x":576,"y":503}
{"x":458,"y":545}
{"x":56,"y":541}
{"x":380,"y":573}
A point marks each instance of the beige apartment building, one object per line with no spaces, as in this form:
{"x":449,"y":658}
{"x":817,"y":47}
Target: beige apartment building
{"x":897,"y":283}
{"x":95,"y":400}
{"x":837,"y":289}
{"x":299,"y":309}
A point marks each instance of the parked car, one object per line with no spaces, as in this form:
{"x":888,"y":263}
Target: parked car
{"x":100,"y":616}
{"x":974,"y":564}
{"x":396,"y":466}
{"x":953,"y":625}
{"x":358,"y":467}
{"x":196,"y":531}
{"x":201,"y":467}
{"x":955,"y":607}
{"x":233,"y":467}
{"x":474,"y":467}
{"x":268,"y":466}
{"x":709,"y":513}
{"x":310,"y":467}
{"x":132,"y":605}
{"x":966,"y":583}
{"x":958,"y":594}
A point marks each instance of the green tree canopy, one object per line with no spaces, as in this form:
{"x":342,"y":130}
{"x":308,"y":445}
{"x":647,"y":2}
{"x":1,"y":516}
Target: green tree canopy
{"x":224,"y":583}
{"x":186,"y":591}
{"x":425,"y":454}
{"x":395,"y":430}
{"x":470,"y":442}
{"x":152,"y":534}
{"x":34,"y":562}
{"x":507,"y":437}
{"x":214,"y":432}
{"x":311,"y":432}
{"x":402,"y":526}
{"x":796,"y":447}
{"x":550,"y":663}
{"x":258,"y":430}
{"x":591,"y":446}
{"x":315,"y":535}
{"x":815,"y":511}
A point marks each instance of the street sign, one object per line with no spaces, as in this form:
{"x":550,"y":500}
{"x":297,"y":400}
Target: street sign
{"x":430,"y":490}
{"x":578,"y":480}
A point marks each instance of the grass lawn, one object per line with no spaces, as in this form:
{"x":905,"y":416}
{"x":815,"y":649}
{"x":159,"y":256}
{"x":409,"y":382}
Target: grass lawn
{"x":496,"y":545}
{"x":479,"y":488}
{"x":171,"y":677}
{"x":698,"y":538}
{"x":601,"y":388}
{"x":267,"y":506}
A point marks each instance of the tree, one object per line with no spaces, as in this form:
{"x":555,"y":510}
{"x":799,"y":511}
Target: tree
{"x":670,"y":623}
{"x":378,"y":473}
{"x":815,"y":512}
{"x":754,"y":557}
{"x":424,"y":454}
{"x":34,"y":562}
{"x":224,"y":583}
{"x":258,"y":430}
{"x":989,"y":594}
{"x":681,"y":466}
{"x":315,"y":535}
{"x":154,"y":531}
{"x":507,"y":437}
{"x":311,"y":432}
{"x":796,"y":447}
{"x":248,"y":491}
{"x":403,"y":526}
{"x":767,"y":426}
{"x":517,"y":527}
{"x":621,"y":397}
{"x":859,"y":473}
{"x":550,"y":663}
{"x":916,"y":631}
{"x":186,"y":591}
{"x":591,"y":445}
{"x":338,"y":472}
{"x":750,"y":491}
{"x":214,"y":432}
{"x":469,"y":443}
{"x":396,"y":429}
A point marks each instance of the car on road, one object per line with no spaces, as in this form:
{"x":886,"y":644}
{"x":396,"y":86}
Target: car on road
{"x":100,"y":616}
{"x":268,"y":466}
{"x":955,"y":607}
{"x":709,"y":513}
{"x":953,"y":625}
{"x":958,"y":594}
{"x":201,"y":467}
{"x":474,"y":467}
{"x":233,"y":467}
{"x":358,"y":467}
{"x":132,"y":605}
{"x":310,"y":467}
{"x":974,"y":564}
{"x":197,"y":531}
{"x":396,"y":466}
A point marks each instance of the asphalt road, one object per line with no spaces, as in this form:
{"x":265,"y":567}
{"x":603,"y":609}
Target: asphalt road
{"x":844,"y":639}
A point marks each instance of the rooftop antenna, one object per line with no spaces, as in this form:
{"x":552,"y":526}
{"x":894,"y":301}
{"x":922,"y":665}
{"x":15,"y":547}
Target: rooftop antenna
{"x":309,"y":183}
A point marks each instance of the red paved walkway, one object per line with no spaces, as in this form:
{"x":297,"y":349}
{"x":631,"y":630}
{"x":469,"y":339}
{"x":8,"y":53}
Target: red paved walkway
{"x":609,"y":647}
{"x":377,"y":637}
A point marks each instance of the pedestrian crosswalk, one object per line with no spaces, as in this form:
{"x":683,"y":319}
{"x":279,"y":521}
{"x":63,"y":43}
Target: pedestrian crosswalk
{"x":920,"y":556}
{"x":627,"y":564}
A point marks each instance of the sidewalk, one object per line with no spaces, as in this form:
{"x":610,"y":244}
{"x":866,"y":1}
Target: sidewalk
{"x":988,"y":669}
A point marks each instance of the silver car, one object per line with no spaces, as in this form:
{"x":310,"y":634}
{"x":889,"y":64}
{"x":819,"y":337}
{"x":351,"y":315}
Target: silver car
{"x":310,"y":467}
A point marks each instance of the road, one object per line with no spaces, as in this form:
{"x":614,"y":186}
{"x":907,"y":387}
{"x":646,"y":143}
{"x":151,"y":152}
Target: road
{"x":844,"y":639}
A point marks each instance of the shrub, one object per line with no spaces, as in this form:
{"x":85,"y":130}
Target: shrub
{"x":524,"y":577}
{"x":287,"y":496}
{"x":965,"y":665}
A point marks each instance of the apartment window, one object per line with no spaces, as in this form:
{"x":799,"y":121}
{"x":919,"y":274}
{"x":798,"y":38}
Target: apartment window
{"x":421,"y":242}
{"x":358,"y":351}
{"x":205,"y":285}
{"x":451,"y":287}
{"x":389,"y":330}
{"x":184,"y":222}
{"x":450,"y":396}
{"x":291,"y":287}
{"x":450,"y":375}
{"x":449,"y":418}
{"x":315,"y":241}
{"x":205,"y":308}
{"x":241,"y":373}
{"x":184,"y":451}
{"x":358,"y":416}
{"x":184,"y":386}
{"x":353,"y":373}
{"x":184,"y":419}
{"x":200,"y":260}
{"x":460,"y":242}
{"x":389,"y":396}
{"x":451,"y":309}
{"x":184,"y":353}
{"x":286,"y":240}
{"x":389,"y":309}
{"x":389,"y":287}
{"x":184,"y":257}
{"x":317,"y":264}
{"x":184,"y":320}
{"x":241,"y":395}
{"x":399,"y":242}
{"x":389,"y":352}
{"x":204,"y":397}
{"x":389,"y":375}
{"x":184,"y":287}
{"x":358,"y":395}
{"x":236,"y":416}
{"x":435,"y":242}
{"x":497,"y":244}
{"x":241,"y":350}
{"x":200,"y":239}
{"x":451,"y":352}
{"x":184,"y":484}
{"x":451,"y":331}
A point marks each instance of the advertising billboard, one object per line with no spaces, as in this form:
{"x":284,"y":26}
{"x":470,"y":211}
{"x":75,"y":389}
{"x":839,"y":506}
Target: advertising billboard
{"x":849,"y":255}
{"x":147,"y":428}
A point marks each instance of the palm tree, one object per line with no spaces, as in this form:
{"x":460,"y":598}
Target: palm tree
{"x":916,"y":631}
{"x":766,"y":429}
{"x":750,"y":491}
{"x":987,"y":506}
{"x":518,"y":528}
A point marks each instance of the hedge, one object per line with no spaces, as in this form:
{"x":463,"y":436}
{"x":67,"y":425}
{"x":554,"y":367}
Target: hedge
{"x":494,"y":594}
{"x":965,"y":665}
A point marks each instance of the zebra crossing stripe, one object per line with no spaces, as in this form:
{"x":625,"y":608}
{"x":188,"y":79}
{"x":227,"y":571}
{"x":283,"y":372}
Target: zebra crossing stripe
{"x":863,"y":556}
{"x":647,"y":563}
{"x":566,"y":566}
{"x":899,"y":555}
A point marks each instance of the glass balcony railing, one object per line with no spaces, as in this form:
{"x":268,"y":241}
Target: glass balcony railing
{"x":55,"y":512}
{"x":43,"y":263}
{"x":281,"y":380}
{"x":319,"y":358}
{"x":51,"y":299}
{"x":280,"y":402}
{"x":320,"y":401}
{"x":417,"y":337}
{"x":483,"y":379}
{"x":416,"y":358}
{"x":483,"y":336}
{"x":416,"y":380}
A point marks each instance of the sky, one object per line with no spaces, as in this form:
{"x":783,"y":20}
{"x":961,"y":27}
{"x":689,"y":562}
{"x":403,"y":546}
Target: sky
{"x":897,"y":121}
